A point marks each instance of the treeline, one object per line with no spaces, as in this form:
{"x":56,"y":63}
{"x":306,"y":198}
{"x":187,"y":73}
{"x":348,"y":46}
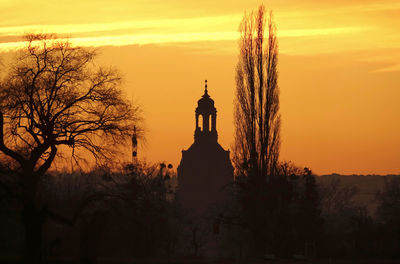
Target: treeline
{"x":129,"y":213}
{"x":295,"y":215}
{"x":133,"y":213}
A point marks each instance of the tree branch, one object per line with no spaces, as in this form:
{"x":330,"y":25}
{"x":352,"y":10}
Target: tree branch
{"x":46,"y":165}
{"x":3,"y":147}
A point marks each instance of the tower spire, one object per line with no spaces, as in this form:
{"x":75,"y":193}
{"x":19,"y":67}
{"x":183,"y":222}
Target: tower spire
{"x":206,"y":118}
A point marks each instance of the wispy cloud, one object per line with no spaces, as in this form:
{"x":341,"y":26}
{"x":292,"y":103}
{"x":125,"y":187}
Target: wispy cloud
{"x":178,"y":24}
{"x":321,"y":31}
{"x":384,"y":60}
{"x":340,"y":10}
{"x":393,"y":68}
{"x":164,"y":32}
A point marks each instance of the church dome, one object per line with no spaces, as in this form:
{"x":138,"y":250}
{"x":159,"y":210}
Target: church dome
{"x":205,"y":102}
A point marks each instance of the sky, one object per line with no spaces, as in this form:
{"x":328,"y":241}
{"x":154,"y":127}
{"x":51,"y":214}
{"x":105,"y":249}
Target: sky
{"x":339,"y":70}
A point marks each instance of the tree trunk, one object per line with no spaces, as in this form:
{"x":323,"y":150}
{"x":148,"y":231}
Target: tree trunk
{"x":33,"y":223}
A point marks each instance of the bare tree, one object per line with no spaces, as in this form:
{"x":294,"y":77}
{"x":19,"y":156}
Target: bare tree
{"x":257,"y":129}
{"x":388,"y":213}
{"x":388,"y":210}
{"x":335,"y":197}
{"x":54,"y":97}
{"x":257,"y":118}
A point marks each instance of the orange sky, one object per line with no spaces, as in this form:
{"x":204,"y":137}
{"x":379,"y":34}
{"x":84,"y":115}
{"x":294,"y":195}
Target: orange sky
{"x":339,"y":70}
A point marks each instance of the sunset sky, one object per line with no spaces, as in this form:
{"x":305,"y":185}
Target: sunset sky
{"x":339,"y":70}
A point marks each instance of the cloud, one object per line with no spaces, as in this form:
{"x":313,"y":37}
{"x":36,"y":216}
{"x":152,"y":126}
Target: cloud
{"x":178,"y":24}
{"x":321,"y":31}
{"x":393,"y":68}
{"x":159,"y":38}
{"x":383,"y":60}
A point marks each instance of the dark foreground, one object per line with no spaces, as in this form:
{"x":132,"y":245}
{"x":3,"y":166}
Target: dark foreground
{"x":13,"y":260}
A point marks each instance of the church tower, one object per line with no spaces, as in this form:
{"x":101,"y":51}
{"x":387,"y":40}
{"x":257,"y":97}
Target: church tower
{"x":206,"y":127}
{"x":205,"y":170}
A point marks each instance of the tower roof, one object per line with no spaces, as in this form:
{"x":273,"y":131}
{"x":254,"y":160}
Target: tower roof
{"x":205,"y":104}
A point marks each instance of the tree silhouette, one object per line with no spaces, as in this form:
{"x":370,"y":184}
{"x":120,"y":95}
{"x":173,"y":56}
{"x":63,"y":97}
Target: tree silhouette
{"x":54,"y":97}
{"x":309,"y":218}
{"x":257,"y":130}
{"x":388,"y":213}
{"x":257,"y":118}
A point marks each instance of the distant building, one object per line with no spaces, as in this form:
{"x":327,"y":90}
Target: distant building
{"x":205,"y":170}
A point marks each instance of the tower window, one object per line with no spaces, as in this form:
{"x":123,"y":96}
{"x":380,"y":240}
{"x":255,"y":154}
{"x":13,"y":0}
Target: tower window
{"x":200,"y":124}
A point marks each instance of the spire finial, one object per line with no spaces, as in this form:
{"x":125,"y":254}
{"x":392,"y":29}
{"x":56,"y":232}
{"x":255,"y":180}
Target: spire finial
{"x":205,"y":87}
